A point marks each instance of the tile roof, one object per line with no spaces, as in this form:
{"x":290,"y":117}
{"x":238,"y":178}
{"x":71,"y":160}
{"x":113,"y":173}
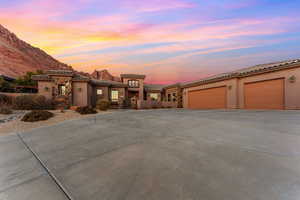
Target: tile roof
{"x":60,"y":72}
{"x":153,"y":87}
{"x":249,"y":71}
{"x":172,"y":85}
{"x":46,"y":77}
{"x":42,"y":77}
{"x":79,"y":77}
{"x":137,"y":76}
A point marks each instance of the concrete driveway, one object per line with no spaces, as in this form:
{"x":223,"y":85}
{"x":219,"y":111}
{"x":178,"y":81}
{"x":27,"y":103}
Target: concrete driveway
{"x":157,"y":155}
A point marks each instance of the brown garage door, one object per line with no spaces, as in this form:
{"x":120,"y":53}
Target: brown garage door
{"x":265,"y":94}
{"x":213,"y":98}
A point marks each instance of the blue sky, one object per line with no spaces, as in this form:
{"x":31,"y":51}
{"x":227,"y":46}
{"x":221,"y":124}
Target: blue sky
{"x":168,"y":40}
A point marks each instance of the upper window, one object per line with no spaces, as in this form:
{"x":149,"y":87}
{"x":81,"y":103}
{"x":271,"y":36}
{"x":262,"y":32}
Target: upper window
{"x":114,"y":95}
{"x":154,"y":96}
{"x":133,"y":83}
{"x":99,"y":91}
{"x":62,"y":90}
{"x":169,"y":97}
{"x":174,"y":97}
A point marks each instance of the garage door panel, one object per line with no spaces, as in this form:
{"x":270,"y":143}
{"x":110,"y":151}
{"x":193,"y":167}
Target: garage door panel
{"x":213,"y":98}
{"x":265,"y":94}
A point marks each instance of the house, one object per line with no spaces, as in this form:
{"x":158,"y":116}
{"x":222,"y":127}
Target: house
{"x":266,"y":86}
{"x":128,"y":90}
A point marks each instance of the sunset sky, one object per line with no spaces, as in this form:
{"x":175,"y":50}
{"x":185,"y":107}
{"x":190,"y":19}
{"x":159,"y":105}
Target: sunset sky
{"x":168,"y":40}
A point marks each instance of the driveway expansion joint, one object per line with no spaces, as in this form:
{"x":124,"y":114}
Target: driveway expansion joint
{"x":51,"y":175}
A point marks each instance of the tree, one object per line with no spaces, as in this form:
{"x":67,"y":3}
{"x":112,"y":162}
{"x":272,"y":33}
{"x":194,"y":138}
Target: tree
{"x":5,"y":85}
{"x":26,"y":80}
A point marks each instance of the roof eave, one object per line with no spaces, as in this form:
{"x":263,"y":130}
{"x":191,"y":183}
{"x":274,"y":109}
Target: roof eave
{"x":245,"y":74}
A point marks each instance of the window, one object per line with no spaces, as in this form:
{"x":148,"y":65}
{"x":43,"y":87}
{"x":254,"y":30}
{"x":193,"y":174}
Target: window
{"x":62,"y":90}
{"x":169,"y":97}
{"x":133,"y":83}
{"x":154,"y":96}
{"x":174,"y":97}
{"x":114,"y":95}
{"x":99,"y":91}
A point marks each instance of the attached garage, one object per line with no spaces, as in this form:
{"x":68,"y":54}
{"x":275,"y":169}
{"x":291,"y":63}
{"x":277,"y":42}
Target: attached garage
{"x":264,"y":94}
{"x":212,"y":98}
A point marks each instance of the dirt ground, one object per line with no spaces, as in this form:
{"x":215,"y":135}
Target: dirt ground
{"x":18,"y":125}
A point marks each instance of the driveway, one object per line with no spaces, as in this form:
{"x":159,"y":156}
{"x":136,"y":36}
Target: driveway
{"x":157,"y":155}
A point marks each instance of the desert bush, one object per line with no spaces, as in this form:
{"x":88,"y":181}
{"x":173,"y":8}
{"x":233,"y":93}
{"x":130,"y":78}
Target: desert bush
{"x":33,"y":102}
{"x":103,"y":105}
{"x":5,"y":111}
{"x":37,"y":115}
{"x":5,"y":100}
{"x":86,"y":110}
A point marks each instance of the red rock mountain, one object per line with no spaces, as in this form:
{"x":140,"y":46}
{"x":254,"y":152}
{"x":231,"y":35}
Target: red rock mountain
{"x":18,"y":57}
{"x":104,"y":75}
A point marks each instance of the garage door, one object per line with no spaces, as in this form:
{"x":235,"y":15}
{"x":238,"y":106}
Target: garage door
{"x":265,"y":94}
{"x":214,"y":98}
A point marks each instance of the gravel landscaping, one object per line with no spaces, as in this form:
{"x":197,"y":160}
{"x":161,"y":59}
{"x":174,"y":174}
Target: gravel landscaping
{"x":12,"y":123}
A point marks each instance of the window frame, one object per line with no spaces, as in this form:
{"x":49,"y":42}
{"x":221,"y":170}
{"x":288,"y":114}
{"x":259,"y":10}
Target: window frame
{"x":169,"y":97}
{"x":112,"y":95}
{"x":99,"y":89}
{"x":174,"y":96}
{"x":62,"y":90}
{"x":154,"y":98}
{"x":134,"y":83}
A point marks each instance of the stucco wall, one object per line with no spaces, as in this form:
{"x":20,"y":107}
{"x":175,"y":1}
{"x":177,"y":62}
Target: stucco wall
{"x":80,"y":93}
{"x":235,"y":95}
{"x":291,"y":90}
{"x":140,"y":89}
{"x":122,"y":96}
{"x":178,"y":91}
{"x":231,"y":86}
{"x":45,"y":88}
{"x":104,"y":96}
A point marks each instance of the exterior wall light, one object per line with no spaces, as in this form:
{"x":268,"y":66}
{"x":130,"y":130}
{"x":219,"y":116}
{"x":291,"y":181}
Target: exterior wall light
{"x":229,"y":87}
{"x":46,"y":89}
{"x":292,"y":79}
{"x":79,"y":89}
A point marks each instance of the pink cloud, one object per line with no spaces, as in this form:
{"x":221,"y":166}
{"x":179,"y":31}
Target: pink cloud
{"x":156,"y":5}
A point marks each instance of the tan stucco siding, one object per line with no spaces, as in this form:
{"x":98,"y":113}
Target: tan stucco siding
{"x":236,"y":86}
{"x":291,"y":90}
{"x":45,"y":88}
{"x":80,"y":94}
{"x":90,"y":94}
{"x":231,"y":93}
{"x":140,"y":89}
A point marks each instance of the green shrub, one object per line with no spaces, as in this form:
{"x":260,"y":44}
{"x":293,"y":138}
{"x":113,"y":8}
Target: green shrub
{"x":5,"y":111}
{"x":103,"y":105}
{"x":86,"y":110}
{"x":33,"y":102}
{"x":5,"y":100}
{"x":37,"y":115}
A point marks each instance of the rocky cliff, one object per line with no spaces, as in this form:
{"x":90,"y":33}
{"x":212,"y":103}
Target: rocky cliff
{"x":18,"y":57}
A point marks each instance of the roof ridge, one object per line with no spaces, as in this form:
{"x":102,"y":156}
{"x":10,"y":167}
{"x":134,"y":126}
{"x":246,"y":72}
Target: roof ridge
{"x":249,"y":70}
